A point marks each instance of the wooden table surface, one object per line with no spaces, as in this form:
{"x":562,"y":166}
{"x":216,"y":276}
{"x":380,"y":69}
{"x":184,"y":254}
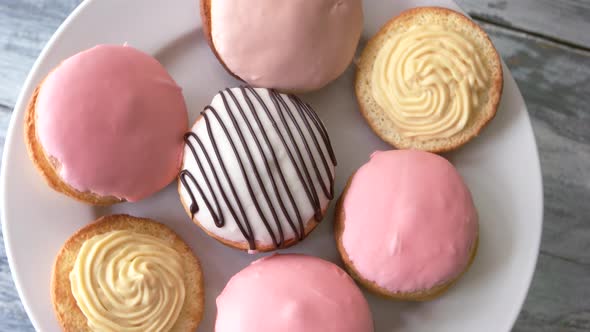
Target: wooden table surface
{"x":546,"y":45}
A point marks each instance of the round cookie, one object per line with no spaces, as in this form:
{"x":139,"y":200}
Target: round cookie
{"x":429,"y":80}
{"x":406,"y":226}
{"x":294,"y":46}
{"x":106,"y":126}
{"x":258,"y":169}
{"x":125,"y":289}
{"x":295,"y":293}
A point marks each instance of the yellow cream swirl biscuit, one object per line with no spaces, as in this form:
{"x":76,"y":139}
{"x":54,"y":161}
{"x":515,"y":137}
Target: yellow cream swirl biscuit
{"x":428,"y":80}
{"x":126,"y":281}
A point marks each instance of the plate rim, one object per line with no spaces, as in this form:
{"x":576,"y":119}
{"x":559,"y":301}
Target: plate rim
{"x":8,"y":147}
{"x":22,"y":100}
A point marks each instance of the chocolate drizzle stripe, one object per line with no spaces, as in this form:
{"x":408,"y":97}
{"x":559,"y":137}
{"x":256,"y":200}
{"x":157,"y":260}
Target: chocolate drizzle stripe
{"x":314,"y":165}
{"x":299,"y":105}
{"x":307,"y":182}
{"x":242,"y":170}
{"x":256,"y":172}
{"x":312,"y":202}
{"x":301,"y":231}
{"x":257,"y":131}
{"x":194,"y":208}
{"x":248,"y":234}
{"x":323,"y":131}
{"x":329,"y":192}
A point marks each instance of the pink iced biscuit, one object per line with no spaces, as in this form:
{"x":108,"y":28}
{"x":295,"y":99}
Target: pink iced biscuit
{"x":410,"y":223}
{"x":294,"y":293}
{"x":295,"y":45}
{"x":114,"y":119}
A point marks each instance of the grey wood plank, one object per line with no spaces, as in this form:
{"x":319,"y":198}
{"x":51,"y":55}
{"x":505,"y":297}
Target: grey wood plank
{"x":558,"y":298}
{"x":555,"y":81}
{"x":5,"y":113}
{"x":564,"y":20}
{"x":25,"y":27}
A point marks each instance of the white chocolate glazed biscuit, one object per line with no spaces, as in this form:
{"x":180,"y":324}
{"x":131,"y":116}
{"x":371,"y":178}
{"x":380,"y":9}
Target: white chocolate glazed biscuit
{"x":258,"y":169}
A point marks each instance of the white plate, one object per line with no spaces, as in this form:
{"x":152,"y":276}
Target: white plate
{"x":501,"y":167}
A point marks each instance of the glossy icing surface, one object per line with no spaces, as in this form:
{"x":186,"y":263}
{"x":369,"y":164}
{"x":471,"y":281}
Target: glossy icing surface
{"x":258,"y":167}
{"x":428,"y":80}
{"x":126,"y":281}
{"x":410,"y":222}
{"x":294,"y":293}
{"x":295,"y":45}
{"x":113,"y":118}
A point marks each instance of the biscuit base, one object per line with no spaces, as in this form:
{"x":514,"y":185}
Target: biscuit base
{"x":68,"y":314}
{"x":309,"y":226}
{"x":48,"y":168}
{"x":373,"y":287}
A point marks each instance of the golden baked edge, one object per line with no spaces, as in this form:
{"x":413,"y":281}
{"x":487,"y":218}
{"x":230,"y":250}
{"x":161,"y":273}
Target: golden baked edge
{"x":47,"y":169}
{"x":243,"y":245}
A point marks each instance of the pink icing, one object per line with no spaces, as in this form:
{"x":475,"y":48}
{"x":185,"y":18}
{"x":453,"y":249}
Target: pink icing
{"x":294,"y":293}
{"x":114,"y":119}
{"x":290,"y":45}
{"x":410,"y":221}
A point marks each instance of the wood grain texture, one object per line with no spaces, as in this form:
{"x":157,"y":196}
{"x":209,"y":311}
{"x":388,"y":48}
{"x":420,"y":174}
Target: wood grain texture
{"x":12,"y":314}
{"x":554,"y":78}
{"x":563,"y":20}
{"x":555,"y":83}
{"x":25,"y":27}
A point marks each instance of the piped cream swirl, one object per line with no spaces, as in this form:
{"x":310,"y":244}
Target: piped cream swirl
{"x":428,"y":80}
{"x":126,"y":281}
